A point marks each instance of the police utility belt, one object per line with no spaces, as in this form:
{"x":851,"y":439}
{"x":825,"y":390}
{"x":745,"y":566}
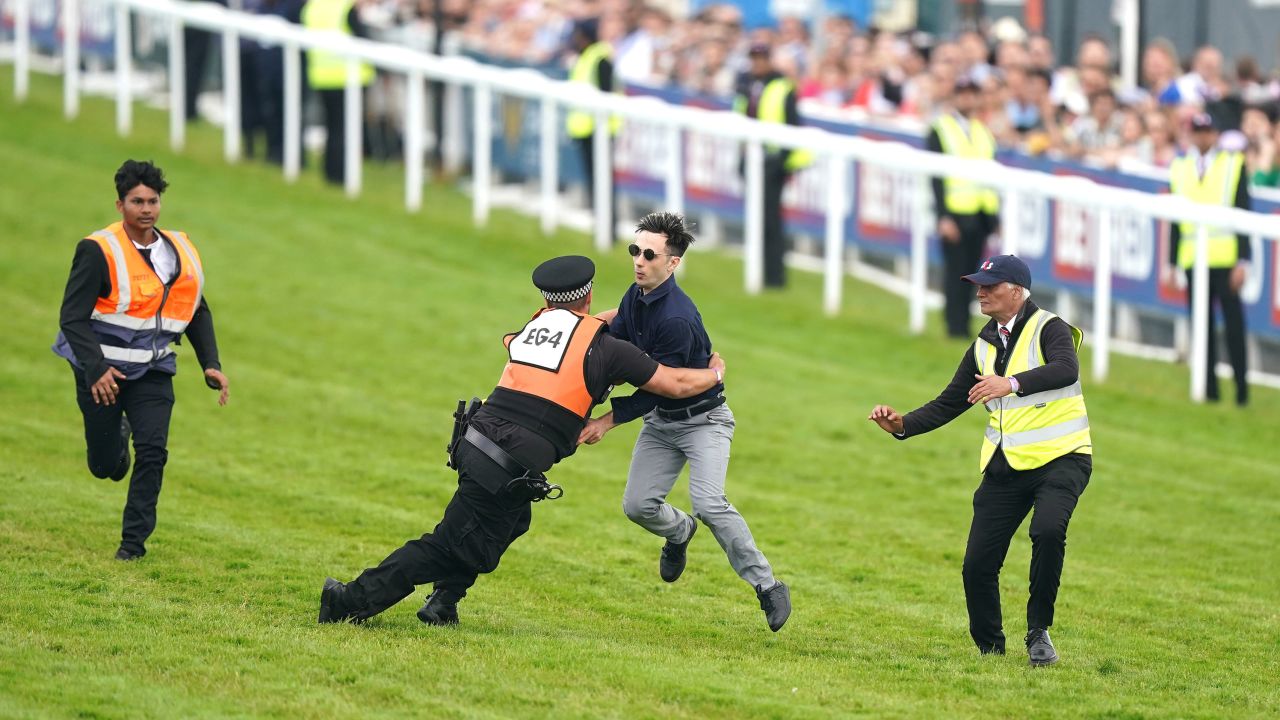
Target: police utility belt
{"x":524,"y":482}
{"x":692,"y":411}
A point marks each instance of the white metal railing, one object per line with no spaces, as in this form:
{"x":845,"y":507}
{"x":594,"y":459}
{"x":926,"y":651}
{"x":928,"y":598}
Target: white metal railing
{"x":485,"y":81}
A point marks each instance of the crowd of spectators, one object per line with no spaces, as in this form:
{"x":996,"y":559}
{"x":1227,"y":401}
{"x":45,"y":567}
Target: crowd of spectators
{"x":1033,"y":100}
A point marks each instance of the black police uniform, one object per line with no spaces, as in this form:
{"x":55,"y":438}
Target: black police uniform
{"x":488,"y":512}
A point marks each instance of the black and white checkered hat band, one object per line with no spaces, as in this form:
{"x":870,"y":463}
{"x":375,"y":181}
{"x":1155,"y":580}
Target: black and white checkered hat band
{"x":568,"y":295}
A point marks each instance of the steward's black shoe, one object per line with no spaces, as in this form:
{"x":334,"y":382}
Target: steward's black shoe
{"x":333,"y":603}
{"x":126,"y":429}
{"x":1039,"y":648}
{"x":776,"y":604}
{"x":125,"y":555}
{"x":671,"y":564}
{"x":441,"y":608}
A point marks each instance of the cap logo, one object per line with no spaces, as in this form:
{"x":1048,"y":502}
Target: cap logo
{"x":987,"y":265}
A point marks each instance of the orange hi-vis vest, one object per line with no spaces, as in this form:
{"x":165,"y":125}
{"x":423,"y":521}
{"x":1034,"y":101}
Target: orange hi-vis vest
{"x":548,"y":357}
{"x":140,"y":318}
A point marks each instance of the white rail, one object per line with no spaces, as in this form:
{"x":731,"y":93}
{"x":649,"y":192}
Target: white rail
{"x":486,"y":81}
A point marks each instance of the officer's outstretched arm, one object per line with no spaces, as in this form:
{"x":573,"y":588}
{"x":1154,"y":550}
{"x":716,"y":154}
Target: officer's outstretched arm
{"x":681,"y":382}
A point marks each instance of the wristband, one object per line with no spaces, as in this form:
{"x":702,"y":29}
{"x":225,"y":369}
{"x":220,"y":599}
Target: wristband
{"x":719,"y":375}
{"x":1016,"y":386}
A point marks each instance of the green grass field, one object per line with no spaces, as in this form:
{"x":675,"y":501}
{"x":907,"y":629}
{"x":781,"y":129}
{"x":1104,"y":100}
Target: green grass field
{"x":349,"y":328}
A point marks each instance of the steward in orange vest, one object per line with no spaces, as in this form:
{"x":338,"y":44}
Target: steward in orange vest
{"x":133,"y":291}
{"x":559,"y":366}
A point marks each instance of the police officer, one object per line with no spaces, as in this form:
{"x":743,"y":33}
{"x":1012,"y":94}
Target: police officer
{"x":560,"y":365}
{"x":1212,"y":176}
{"x":1036,"y":452}
{"x":764,"y":94}
{"x":133,"y":290}
{"x":967,"y":213}
{"x":662,"y":320}
{"x":593,"y":66}
{"x":327,"y":74}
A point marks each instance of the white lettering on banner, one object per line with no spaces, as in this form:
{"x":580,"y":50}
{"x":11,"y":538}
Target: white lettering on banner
{"x":642,"y":150}
{"x":1033,"y":230}
{"x":1075,"y":245}
{"x":884,"y":197}
{"x":806,"y":192}
{"x":712,"y":164}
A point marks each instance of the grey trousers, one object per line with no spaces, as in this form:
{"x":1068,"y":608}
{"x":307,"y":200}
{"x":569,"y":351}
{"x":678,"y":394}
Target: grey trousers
{"x":660,"y":454}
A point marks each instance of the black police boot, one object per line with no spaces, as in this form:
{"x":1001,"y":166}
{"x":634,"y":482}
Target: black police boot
{"x":122,"y":469}
{"x":335,"y":607}
{"x":124,"y":554}
{"x":1039,"y":648}
{"x":441,"y":608}
{"x":776,"y":604}
{"x":671,"y":564}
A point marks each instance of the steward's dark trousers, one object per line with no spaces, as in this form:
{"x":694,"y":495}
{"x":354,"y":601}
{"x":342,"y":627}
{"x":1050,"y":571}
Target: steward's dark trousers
{"x":775,"y":232}
{"x":1233,"y":315}
{"x":587,"y":151}
{"x":999,"y":507}
{"x":335,"y":134}
{"x":477,"y":528}
{"x":148,"y":403}
{"x":959,"y":259}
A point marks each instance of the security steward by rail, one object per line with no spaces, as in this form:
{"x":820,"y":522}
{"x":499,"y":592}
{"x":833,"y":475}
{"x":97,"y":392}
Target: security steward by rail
{"x":559,"y":366}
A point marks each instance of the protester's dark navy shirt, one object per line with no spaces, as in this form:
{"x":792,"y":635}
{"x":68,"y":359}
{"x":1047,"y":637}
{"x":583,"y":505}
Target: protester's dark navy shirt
{"x":666,"y":325}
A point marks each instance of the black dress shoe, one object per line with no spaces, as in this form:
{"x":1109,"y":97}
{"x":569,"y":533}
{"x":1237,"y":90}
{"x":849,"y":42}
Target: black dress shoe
{"x":334,"y":607}
{"x":441,"y":608}
{"x":671,"y":564}
{"x":125,"y":555}
{"x":776,"y":604}
{"x":1039,"y":648}
{"x":126,"y":430}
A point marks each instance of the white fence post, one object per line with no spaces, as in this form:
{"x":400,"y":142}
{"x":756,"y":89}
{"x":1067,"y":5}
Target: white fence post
{"x":414,"y":140}
{"x":231,"y":95}
{"x":549,"y":153}
{"x":177,"y":85}
{"x":833,"y":280}
{"x":1200,"y":316}
{"x":919,"y":254}
{"x":480,"y":156}
{"x":454,"y":133}
{"x":674,"y":188}
{"x":753,"y":240}
{"x":602,"y":152}
{"x":124,"y":69}
{"x":70,"y":58}
{"x":1102,"y":296}
{"x":353,"y":112}
{"x":21,"y":48}
{"x":292,"y":111}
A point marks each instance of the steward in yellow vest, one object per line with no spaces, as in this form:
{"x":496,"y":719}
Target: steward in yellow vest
{"x":327,"y":75}
{"x":968,"y":213}
{"x":1036,"y":451}
{"x":1215,"y":177}
{"x":594,"y":66}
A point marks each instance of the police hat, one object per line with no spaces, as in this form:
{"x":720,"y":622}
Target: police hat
{"x":565,"y":279}
{"x":1002,"y":268}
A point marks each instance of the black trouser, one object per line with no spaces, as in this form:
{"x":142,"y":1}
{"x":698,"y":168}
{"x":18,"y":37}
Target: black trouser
{"x":1233,"y":316}
{"x":961,"y":258}
{"x":999,"y":507}
{"x":148,"y":403}
{"x":587,"y":151}
{"x":196,"y":44}
{"x":477,"y":528}
{"x":775,"y":233}
{"x":335,"y":131}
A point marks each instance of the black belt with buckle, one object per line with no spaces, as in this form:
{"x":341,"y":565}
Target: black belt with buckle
{"x":694,"y":410}
{"x":523,"y":480}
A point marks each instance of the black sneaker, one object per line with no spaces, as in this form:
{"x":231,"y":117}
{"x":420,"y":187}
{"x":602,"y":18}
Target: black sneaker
{"x":1039,"y":649}
{"x":125,"y":554}
{"x":776,"y":604}
{"x":126,"y":430}
{"x":671,"y":564}
{"x":333,"y":605}
{"x":441,"y":608}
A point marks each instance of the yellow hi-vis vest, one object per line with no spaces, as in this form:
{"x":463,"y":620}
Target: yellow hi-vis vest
{"x":772,"y":108}
{"x":325,"y":70}
{"x":1036,"y":428}
{"x":965,"y":197}
{"x":1218,"y":187}
{"x":579,"y":123}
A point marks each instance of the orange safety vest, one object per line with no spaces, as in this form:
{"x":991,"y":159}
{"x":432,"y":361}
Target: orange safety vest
{"x":548,"y":357}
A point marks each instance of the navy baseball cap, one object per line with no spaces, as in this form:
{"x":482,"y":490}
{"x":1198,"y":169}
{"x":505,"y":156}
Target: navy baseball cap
{"x":1002,"y":268}
{"x":1203,"y":121}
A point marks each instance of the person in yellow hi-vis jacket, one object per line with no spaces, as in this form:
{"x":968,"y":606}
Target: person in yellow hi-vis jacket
{"x":1212,"y":176}
{"x":593,"y":66}
{"x":768,"y":96}
{"x":967,"y":213}
{"x":1036,"y":451}
{"x":327,"y":75}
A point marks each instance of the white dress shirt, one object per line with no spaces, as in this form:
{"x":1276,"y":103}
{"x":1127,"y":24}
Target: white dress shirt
{"x":163,"y":258}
